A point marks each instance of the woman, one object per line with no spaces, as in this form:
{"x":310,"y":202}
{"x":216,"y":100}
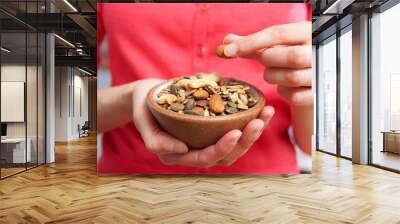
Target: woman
{"x":148,"y":43}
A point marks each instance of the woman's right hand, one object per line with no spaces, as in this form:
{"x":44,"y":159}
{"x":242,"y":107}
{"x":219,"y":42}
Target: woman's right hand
{"x":170,"y":150}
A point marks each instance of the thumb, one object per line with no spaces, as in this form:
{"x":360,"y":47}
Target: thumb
{"x":155,"y":139}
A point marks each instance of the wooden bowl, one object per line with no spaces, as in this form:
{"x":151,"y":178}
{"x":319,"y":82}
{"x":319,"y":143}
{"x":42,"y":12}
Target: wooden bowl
{"x":200,"y":131}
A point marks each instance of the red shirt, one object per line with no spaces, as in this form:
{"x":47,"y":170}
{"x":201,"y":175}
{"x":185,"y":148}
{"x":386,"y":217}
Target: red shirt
{"x":153,"y":40}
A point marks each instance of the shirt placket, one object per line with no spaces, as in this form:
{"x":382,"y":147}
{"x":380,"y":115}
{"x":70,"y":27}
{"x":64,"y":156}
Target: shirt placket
{"x":201,"y":38}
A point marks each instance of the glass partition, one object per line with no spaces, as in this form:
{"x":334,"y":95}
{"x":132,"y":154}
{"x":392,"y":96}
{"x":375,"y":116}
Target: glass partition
{"x":31,"y":99}
{"x":385,"y":89}
{"x":327,"y":95}
{"x":346,"y":92}
{"x":22,"y":78}
{"x":14,"y":153}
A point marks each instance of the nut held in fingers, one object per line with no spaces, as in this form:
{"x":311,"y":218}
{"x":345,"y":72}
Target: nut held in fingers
{"x":220,"y":51}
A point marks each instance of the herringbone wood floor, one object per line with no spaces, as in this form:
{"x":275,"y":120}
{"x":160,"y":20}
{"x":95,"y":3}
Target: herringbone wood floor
{"x":70,"y":191}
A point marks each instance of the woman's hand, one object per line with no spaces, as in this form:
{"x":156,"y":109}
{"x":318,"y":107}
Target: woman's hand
{"x":173,"y":151}
{"x":285,"y":50}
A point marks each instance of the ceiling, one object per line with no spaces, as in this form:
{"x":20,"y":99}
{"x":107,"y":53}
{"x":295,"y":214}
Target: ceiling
{"x":331,"y":15}
{"x":72,"y":20}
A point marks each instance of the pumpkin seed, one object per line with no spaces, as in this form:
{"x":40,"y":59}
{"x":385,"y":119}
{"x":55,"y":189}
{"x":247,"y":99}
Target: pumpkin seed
{"x":251,"y":103}
{"x":201,"y":103}
{"x":231,"y":110}
{"x":175,"y":89}
{"x":232,"y":104}
{"x":253,"y":94}
{"x":190,"y":103}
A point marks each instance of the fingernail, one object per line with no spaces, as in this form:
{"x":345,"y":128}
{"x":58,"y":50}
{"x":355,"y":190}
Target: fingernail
{"x":271,"y":109}
{"x":231,"y":37}
{"x":180,"y":148}
{"x":231,"y":50}
{"x":237,"y":138}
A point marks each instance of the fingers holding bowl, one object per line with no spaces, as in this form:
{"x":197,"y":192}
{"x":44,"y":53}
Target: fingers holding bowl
{"x":202,"y":131}
{"x":207,"y":157}
{"x":251,"y":134}
{"x":155,"y":139}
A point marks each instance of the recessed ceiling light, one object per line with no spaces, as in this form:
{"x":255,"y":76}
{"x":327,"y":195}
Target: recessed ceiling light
{"x":337,"y":7}
{"x":65,"y":41}
{"x":5,"y":50}
{"x":84,"y":71}
{"x":70,"y":5}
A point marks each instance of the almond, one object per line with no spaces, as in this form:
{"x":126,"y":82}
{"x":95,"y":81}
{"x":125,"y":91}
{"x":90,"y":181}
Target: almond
{"x":220,"y":51}
{"x":199,"y":110}
{"x":216,"y":104}
{"x":200,"y":94}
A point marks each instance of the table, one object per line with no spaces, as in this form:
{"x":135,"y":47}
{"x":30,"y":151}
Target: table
{"x":13,"y":150}
{"x":391,"y":141}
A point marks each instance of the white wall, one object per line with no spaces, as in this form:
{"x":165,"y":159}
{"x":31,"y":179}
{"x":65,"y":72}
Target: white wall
{"x":70,"y":83}
{"x":61,"y":103}
{"x":80,"y":84}
{"x":12,"y":73}
{"x":33,"y":127}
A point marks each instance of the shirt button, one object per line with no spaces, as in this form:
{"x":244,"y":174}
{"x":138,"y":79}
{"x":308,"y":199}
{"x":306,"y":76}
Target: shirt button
{"x":201,"y":51}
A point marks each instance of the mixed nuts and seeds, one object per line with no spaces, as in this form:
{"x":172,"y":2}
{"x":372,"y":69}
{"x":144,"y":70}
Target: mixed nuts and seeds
{"x":207,"y":95}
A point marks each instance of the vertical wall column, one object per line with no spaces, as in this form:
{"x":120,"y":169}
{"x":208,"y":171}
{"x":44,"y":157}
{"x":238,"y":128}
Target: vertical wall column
{"x":314,"y":89}
{"x":50,"y":92}
{"x":50,"y":99}
{"x":360,"y":90}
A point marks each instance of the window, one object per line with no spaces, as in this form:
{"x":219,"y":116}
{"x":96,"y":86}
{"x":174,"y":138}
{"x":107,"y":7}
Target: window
{"x":22,"y":87}
{"x":327,"y":95}
{"x":385,"y":89}
{"x":346,"y":75}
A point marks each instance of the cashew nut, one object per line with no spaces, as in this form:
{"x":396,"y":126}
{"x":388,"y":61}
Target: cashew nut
{"x":167,"y":98}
